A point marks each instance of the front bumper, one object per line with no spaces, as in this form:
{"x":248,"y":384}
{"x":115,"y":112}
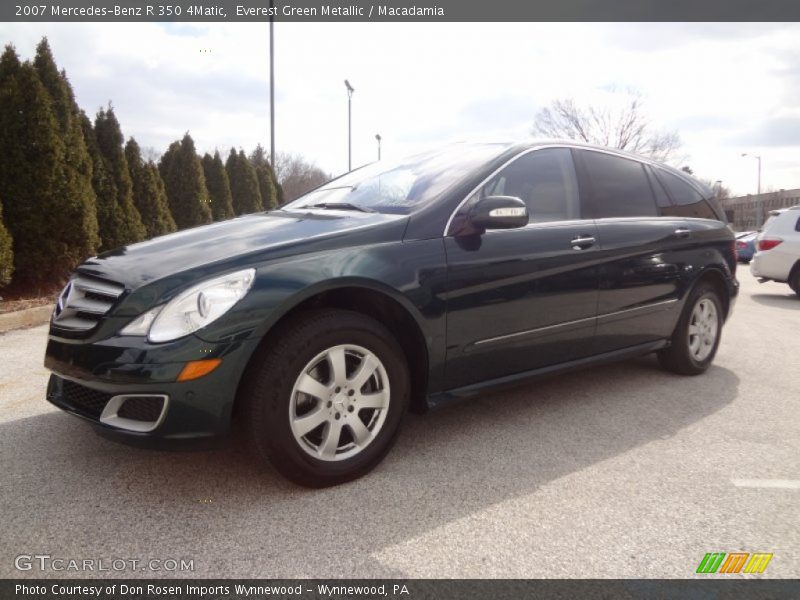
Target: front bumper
{"x":87,"y":376}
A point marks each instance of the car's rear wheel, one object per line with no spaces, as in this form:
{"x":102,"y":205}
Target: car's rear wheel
{"x":325,"y":403}
{"x":794,"y":279}
{"x":696,"y":337}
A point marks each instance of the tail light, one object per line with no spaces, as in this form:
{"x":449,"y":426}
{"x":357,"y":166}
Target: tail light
{"x":768,"y":243}
{"x":740,"y":245}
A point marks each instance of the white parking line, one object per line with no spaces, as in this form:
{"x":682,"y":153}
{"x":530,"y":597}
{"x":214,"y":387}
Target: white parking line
{"x":782,"y":484}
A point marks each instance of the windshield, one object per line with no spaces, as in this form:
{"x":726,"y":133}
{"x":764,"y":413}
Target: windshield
{"x":402,"y":186}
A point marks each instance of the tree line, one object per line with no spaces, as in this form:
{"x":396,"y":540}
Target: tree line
{"x":71,"y":187}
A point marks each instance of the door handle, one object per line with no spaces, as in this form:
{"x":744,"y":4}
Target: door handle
{"x":582,"y":242}
{"x":682,"y":232}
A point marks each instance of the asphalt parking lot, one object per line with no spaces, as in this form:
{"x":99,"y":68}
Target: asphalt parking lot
{"x":616,"y":471}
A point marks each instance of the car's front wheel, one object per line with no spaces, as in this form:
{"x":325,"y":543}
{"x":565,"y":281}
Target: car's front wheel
{"x":324,"y":404}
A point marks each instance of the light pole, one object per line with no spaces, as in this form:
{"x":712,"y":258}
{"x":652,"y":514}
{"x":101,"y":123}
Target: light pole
{"x":271,"y":84}
{"x":350,"y":91}
{"x":760,"y":200}
{"x":378,"y":137}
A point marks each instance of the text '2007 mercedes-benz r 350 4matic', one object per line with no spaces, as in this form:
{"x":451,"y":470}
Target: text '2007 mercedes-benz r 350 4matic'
{"x":394,"y":287}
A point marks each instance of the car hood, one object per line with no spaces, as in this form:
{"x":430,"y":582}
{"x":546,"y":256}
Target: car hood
{"x":238,"y":242}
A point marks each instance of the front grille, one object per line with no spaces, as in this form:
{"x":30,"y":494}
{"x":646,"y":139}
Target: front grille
{"x":142,"y":408}
{"x":84,"y":301}
{"x":86,"y":400}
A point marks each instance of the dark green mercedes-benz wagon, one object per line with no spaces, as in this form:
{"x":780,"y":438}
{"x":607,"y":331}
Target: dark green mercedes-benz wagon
{"x":397,"y":286}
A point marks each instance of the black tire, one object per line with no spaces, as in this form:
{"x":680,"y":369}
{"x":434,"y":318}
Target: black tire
{"x":269,"y":384}
{"x":678,"y":357}
{"x":794,"y":279}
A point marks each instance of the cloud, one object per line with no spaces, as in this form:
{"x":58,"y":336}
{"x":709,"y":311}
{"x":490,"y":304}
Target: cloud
{"x":778,"y":131}
{"x":720,"y":84}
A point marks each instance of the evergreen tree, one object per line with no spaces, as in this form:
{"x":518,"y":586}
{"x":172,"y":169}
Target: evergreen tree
{"x":110,"y":218}
{"x":6,"y":253}
{"x":43,"y":221}
{"x":148,"y":197}
{"x":109,"y":142}
{"x":185,"y":184}
{"x":244,"y":184}
{"x":54,"y":83}
{"x":219,"y":187}
{"x":267,"y":183}
{"x":76,"y":180}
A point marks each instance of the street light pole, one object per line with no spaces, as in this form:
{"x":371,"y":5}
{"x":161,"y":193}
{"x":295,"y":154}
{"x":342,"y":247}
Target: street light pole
{"x":350,"y":91}
{"x":378,"y":137}
{"x":271,"y":84}
{"x":760,"y":201}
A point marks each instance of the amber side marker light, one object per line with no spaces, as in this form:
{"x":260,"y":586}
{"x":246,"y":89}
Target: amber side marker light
{"x":197,"y":368}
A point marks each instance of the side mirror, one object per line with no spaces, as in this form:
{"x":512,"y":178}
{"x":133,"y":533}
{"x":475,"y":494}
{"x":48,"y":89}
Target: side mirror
{"x":499,"y":212}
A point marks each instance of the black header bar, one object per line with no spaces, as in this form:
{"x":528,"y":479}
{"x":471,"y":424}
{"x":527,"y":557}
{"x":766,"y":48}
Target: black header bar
{"x":398,"y":10}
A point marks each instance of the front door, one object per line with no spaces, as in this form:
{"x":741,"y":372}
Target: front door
{"x":521,"y":299}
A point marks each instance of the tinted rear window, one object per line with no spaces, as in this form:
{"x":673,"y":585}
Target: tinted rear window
{"x":688,"y":201}
{"x":620,"y":186}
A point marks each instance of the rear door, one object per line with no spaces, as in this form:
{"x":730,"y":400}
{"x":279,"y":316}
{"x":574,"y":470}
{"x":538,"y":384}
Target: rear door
{"x":639,"y":251}
{"x":521,"y":299}
{"x":704,"y":217}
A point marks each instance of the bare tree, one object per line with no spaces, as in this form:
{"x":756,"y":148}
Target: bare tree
{"x":297,"y":175}
{"x":150,"y":154}
{"x":625,"y":127}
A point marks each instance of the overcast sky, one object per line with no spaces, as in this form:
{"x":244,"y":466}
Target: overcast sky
{"x":726,"y":88}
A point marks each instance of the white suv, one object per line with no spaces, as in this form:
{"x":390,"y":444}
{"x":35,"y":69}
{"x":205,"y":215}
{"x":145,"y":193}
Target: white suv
{"x":778,"y":245}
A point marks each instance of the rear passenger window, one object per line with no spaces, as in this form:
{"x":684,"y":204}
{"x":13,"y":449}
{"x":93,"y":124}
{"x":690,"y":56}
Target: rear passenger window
{"x":620,"y":186}
{"x":797,"y":225}
{"x":688,"y":201}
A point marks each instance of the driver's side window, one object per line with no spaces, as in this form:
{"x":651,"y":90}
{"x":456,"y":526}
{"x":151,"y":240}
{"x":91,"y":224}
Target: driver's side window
{"x":545,"y":180}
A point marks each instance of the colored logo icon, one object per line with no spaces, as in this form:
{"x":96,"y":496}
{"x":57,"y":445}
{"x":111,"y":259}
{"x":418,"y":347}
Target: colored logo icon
{"x":736,"y":562}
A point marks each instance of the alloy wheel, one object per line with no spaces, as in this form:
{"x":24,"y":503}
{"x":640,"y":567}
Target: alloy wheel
{"x":703,"y":329}
{"x":339,"y":402}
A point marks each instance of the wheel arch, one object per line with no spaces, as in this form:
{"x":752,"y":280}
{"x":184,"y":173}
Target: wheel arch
{"x":715,"y":277}
{"x":373,"y":300}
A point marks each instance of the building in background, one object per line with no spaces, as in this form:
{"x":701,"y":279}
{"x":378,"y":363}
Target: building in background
{"x":743,"y":211}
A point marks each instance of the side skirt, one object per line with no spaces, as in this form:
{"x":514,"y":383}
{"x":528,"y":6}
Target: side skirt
{"x":450,"y":396}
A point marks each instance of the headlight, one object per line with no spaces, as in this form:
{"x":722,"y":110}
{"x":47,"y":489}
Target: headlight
{"x":193,"y":309}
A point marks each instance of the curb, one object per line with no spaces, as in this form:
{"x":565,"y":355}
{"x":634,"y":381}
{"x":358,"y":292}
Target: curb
{"x":30,"y":317}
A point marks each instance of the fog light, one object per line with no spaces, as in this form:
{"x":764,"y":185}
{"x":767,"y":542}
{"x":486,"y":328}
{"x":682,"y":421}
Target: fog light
{"x":198,"y":368}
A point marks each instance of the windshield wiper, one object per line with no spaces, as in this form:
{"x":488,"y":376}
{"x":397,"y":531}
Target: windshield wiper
{"x":340,"y":206}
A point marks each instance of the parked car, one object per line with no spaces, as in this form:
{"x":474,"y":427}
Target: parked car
{"x":395,"y":286}
{"x":746,"y":246}
{"x":778,"y":255}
